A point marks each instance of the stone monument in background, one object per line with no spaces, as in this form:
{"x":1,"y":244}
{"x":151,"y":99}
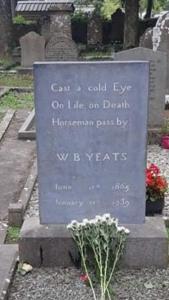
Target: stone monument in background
{"x":32,"y":49}
{"x":60,"y":46}
{"x":157,"y":80}
{"x":158,"y":40}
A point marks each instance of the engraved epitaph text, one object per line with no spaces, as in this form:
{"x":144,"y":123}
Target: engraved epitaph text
{"x":91,"y":121}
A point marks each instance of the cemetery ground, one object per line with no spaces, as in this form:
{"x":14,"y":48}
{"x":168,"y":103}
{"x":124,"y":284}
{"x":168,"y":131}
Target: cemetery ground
{"x":17,"y":159}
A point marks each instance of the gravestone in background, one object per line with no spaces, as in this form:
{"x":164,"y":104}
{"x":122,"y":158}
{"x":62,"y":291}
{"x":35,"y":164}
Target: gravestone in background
{"x":158,"y":40}
{"x":94,"y":31}
{"x":157,"y":80}
{"x":91,"y":122}
{"x":32,"y":49}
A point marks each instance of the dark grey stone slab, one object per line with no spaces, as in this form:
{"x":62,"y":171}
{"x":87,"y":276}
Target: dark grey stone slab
{"x":49,"y":246}
{"x":8,"y":256}
{"x":158,"y":74}
{"x":91,"y":125}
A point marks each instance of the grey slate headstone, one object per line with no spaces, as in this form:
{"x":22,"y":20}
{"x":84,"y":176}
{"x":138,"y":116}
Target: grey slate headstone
{"x":91,"y":122}
{"x":158,"y":63}
{"x":32,"y":49}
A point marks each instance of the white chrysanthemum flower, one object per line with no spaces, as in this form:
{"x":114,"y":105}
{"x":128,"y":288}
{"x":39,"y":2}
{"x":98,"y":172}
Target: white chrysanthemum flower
{"x":92,"y":222}
{"x":69,"y":226}
{"x":74,"y":223}
{"x":120,"y":228}
{"x":116,"y":222}
{"x":106,"y":216}
{"x":111,"y":222}
{"x":127,"y":231}
{"x":85,"y":222}
{"x":98,"y":218}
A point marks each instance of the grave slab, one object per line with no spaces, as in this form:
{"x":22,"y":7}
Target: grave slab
{"x":49,"y":246}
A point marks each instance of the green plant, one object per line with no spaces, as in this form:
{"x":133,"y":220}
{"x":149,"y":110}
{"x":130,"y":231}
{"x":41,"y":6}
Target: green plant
{"x":79,"y":17}
{"x":16,"y":80}
{"x":15,"y":100}
{"x":12,"y":234}
{"x":100,"y":242}
{"x":165,"y":127}
{"x":19,"y":19}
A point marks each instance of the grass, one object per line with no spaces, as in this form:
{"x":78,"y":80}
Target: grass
{"x":7,"y":63}
{"x":16,"y":80}
{"x":15,"y":100}
{"x":12,"y":234}
{"x":96,"y":54}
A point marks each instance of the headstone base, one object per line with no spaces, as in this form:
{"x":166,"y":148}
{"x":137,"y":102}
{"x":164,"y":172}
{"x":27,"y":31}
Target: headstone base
{"x":49,"y":246}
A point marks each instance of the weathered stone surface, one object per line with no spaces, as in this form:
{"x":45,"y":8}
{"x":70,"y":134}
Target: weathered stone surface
{"x":8,"y":256}
{"x":32,"y":49}
{"x":60,"y":45}
{"x":94,"y":31}
{"x":147,"y":244}
{"x":49,"y":246}
{"x":157,"y":80}
{"x":61,"y":48}
{"x":158,"y":39}
{"x":146,"y":39}
{"x":87,"y":134}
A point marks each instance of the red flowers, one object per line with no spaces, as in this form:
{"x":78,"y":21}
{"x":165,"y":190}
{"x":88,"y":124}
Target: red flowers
{"x":84,"y":278}
{"x":156,"y":184}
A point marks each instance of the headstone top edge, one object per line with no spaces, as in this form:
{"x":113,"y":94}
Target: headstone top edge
{"x":140,"y":48}
{"x":37,"y":63}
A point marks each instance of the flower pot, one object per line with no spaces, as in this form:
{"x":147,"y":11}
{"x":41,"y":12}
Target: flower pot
{"x":165,"y":141}
{"x":154,"y":207}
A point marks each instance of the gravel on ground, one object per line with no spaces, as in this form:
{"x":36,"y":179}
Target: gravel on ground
{"x":65,"y":284}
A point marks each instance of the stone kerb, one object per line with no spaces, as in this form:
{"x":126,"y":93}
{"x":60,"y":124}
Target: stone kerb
{"x":32,"y":49}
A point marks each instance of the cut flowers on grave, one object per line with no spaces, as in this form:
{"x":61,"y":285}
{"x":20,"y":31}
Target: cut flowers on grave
{"x":100,"y":242}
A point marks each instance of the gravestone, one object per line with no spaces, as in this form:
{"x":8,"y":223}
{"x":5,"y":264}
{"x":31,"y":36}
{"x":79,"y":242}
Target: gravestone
{"x":157,"y":80}
{"x":32,"y":49}
{"x":60,"y":45}
{"x":94,"y":31}
{"x":158,"y":40}
{"x":88,"y":120}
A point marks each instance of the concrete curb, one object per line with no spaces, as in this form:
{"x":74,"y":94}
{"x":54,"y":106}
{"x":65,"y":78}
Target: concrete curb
{"x":3,"y":232}
{"x":8,"y":262}
{"x":16,"y":210}
{"x":6,"y":121}
{"x":25,"y":131}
